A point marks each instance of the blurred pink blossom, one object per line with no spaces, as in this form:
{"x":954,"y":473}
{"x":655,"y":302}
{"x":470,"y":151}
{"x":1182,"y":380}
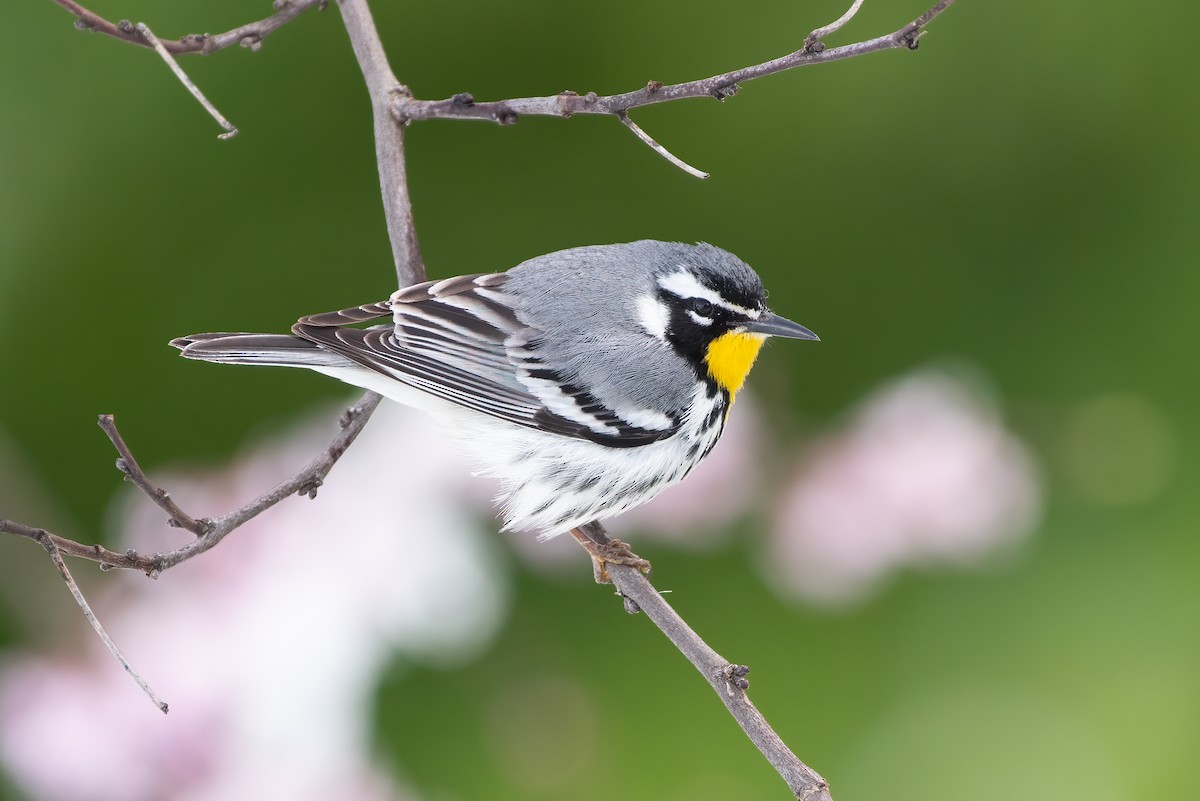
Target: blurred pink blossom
{"x":924,"y":473}
{"x":269,"y":648}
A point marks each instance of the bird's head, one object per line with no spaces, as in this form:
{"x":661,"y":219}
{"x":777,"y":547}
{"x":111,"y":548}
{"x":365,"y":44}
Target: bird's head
{"x":711,"y":307}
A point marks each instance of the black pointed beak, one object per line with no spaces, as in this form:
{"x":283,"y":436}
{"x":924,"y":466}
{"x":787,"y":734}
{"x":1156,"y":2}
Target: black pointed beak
{"x":775,"y":326}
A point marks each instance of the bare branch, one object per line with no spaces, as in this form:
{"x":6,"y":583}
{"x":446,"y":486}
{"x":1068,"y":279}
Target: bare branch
{"x":249,"y":35}
{"x":727,"y":680}
{"x":230,"y":130}
{"x":209,"y":531}
{"x":718,"y":86}
{"x":384,"y":89}
{"x":506,"y":112}
{"x":56,"y":557}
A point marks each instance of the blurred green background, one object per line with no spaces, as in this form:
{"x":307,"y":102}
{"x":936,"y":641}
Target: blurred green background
{"x":1021,"y":193}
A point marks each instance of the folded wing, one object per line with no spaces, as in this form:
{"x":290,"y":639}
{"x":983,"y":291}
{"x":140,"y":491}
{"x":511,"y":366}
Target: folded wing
{"x":462,"y":340}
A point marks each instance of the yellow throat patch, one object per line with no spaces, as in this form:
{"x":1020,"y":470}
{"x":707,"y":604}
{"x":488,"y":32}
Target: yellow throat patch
{"x":729,"y":359}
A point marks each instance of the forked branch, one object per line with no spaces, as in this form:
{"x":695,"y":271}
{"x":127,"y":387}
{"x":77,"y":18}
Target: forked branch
{"x":249,"y":35}
{"x":208,"y":531}
{"x":719,"y":87}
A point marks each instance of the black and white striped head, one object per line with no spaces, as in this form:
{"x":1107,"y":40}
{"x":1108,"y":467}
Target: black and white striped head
{"x":704,"y":294}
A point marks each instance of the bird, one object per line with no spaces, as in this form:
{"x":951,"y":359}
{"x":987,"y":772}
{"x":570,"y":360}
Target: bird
{"x":586,"y":380}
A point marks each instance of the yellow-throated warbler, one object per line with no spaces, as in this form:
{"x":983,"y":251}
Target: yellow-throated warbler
{"x":586,"y":380}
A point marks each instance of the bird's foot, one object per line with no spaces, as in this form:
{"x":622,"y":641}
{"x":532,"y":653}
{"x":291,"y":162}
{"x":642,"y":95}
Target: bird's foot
{"x":612,"y":552}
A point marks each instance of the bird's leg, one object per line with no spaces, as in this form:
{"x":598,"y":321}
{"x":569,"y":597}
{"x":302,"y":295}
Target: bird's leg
{"x":605,"y":551}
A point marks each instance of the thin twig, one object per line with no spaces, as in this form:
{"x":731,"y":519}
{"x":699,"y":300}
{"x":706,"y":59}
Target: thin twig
{"x":249,"y":35}
{"x":230,"y":130}
{"x":133,"y":472}
{"x":727,"y":680}
{"x":817,"y":35}
{"x":56,"y":557}
{"x":659,"y":149}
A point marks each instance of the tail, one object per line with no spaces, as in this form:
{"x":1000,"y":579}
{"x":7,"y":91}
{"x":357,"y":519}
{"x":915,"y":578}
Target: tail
{"x":280,"y":350}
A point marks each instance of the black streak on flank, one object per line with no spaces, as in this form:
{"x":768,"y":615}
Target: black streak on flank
{"x":714,"y":417}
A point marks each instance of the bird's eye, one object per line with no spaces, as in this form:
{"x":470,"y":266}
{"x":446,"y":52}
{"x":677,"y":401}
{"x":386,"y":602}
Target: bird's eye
{"x":702,"y":307}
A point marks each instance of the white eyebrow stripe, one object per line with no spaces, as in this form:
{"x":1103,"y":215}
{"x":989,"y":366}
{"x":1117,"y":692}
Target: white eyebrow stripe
{"x":685,"y":285}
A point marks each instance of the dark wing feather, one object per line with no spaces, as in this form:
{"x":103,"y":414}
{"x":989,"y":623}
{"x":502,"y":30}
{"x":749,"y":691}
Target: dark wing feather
{"x":453,"y":339}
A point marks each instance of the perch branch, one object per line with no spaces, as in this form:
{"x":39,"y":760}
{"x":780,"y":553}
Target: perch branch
{"x":230,"y":130}
{"x":727,"y":680}
{"x":249,"y":35}
{"x":57,"y":559}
